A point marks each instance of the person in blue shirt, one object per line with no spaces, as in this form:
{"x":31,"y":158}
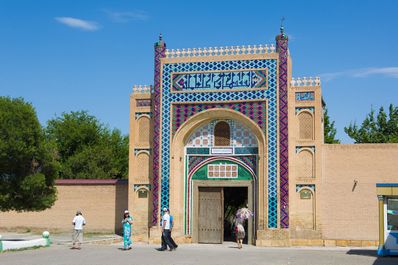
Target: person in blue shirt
{"x":171,"y":228}
{"x":167,"y":226}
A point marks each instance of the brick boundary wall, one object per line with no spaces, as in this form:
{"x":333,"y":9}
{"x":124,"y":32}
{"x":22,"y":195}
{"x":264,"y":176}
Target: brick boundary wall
{"x":102,"y":202}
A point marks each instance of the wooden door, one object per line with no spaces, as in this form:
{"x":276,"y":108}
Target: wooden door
{"x":211,"y":211}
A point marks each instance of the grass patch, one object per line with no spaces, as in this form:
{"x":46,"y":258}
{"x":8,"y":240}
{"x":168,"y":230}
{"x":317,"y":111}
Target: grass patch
{"x":94,"y":234}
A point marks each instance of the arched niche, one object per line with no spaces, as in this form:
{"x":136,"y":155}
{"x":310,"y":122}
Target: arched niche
{"x":143,"y":130}
{"x":142,"y":166}
{"x":305,"y":125}
{"x":306,"y":205}
{"x":305,"y":163}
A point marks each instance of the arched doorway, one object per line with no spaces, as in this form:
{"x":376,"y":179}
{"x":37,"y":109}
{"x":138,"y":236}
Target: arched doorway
{"x":219,"y":187}
{"x":191,"y":150}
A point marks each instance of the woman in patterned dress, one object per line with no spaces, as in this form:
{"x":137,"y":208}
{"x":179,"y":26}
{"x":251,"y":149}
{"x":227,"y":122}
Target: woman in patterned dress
{"x":239,"y":232}
{"x":127,"y":222}
{"x":241,"y":216}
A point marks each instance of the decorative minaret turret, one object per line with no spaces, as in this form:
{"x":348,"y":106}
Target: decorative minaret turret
{"x":160,"y":49}
{"x":282,"y":49}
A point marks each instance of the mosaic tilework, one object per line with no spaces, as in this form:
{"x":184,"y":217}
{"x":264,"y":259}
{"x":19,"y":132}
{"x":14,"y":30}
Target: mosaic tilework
{"x":220,"y":80}
{"x":140,"y":114}
{"x":168,"y":98}
{"x":246,"y":150}
{"x":143,"y":102}
{"x":310,"y":109}
{"x":255,"y":110}
{"x":250,"y":161}
{"x":202,"y":137}
{"x":305,"y":96}
{"x":139,"y":150}
{"x":198,"y":150}
{"x":299,"y":148}
{"x":309,"y":186}
{"x":193,"y":161}
{"x":160,"y":48}
{"x":282,"y":48}
{"x":241,"y":135}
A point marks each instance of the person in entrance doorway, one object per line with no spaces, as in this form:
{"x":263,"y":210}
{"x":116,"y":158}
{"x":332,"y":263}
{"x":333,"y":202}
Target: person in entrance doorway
{"x":240,"y":233}
{"x":166,"y":232}
{"x":241,"y":216}
{"x":78,"y":223}
{"x":127,"y":222}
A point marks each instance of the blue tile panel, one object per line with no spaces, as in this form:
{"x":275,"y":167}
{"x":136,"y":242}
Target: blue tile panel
{"x":305,"y":96}
{"x":219,"y":80}
{"x":228,"y":96}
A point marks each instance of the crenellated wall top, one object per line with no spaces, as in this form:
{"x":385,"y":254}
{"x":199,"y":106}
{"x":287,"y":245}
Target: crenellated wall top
{"x":306,"y":81}
{"x":142,"y":89}
{"x":220,"y":51}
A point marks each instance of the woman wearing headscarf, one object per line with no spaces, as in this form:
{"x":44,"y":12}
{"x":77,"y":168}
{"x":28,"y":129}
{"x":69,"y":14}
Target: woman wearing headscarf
{"x":239,"y":232}
{"x":127,"y":222}
{"x":241,"y":216}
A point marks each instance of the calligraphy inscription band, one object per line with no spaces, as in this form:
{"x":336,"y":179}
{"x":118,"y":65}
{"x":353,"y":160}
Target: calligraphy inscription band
{"x":219,"y":80}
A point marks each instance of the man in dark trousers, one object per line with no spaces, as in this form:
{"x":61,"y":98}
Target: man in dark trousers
{"x":166,"y":232}
{"x":171,"y":229}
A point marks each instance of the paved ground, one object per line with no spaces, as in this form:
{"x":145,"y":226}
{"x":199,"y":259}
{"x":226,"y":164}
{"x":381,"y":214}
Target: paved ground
{"x":226,"y":254}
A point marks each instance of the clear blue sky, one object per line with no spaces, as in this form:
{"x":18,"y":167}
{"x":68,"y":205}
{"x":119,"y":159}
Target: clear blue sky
{"x":86,"y":55}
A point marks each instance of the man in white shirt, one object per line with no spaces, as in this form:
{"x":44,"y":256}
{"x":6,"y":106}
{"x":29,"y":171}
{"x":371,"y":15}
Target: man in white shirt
{"x":166,"y":231}
{"x":78,"y":223}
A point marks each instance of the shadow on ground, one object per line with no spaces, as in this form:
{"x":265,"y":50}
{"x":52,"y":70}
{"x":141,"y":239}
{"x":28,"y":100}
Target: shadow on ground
{"x":373,"y":253}
{"x":363,"y":252}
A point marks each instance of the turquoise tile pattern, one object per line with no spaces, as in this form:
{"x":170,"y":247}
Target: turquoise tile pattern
{"x":160,"y":49}
{"x":282,"y":48}
{"x":270,"y":94}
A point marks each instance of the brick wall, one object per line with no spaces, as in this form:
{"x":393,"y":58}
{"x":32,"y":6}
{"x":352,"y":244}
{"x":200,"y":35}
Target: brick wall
{"x":349,"y":212}
{"x":101,"y":201}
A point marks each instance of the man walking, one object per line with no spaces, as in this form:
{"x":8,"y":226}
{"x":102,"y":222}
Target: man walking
{"x":78,"y":223}
{"x":166,"y":231}
{"x":164,"y":246}
{"x":171,"y":229}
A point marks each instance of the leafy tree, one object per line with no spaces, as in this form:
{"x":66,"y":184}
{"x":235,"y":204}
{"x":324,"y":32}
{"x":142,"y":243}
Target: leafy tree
{"x":27,"y":162}
{"x":329,"y":131}
{"x":380,"y":129}
{"x":74,"y":131}
{"x":88,"y":149}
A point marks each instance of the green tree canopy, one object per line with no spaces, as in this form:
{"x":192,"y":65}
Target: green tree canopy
{"x":329,"y":131}
{"x":88,"y":149}
{"x":27,"y":162}
{"x":380,"y":129}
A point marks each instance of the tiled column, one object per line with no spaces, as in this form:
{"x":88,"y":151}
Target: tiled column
{"x":380,"y":250}
{"x":282,"y":49}
{"x":160,"y":49}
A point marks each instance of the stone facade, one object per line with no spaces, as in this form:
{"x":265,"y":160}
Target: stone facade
{"x":302,"y":189}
